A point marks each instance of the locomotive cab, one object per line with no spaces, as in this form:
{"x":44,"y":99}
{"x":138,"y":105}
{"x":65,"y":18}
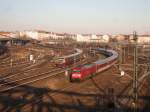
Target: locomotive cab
{"x":60,"y":62}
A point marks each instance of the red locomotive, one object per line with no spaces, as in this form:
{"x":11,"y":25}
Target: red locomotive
{"x":84,"y":71}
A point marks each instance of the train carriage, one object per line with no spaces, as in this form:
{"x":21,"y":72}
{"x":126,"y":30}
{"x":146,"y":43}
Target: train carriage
{"x":98,"y":66}
{"x":69,"y":59}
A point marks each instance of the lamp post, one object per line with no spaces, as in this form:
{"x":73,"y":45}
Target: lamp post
{"x":135,"y":95}
{"x":120,"y":55}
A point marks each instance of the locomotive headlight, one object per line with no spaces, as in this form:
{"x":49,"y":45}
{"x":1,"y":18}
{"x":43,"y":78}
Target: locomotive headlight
{"x":79,"y":75}
{"x":76,"y":75}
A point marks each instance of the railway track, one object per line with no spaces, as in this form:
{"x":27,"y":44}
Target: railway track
{"x":30,"y":79}
{"x":21,"y":65}
{"x":14,"y":69}
{"x":34,"y":78}
{"x":14,"y":64}
{"x":5,"y":59}
{"x":65,"y":87}
{"x":8,"y":60}
{"x":57,"y":92}
{"x":6,"y":77}
{"x":128,"y":90}
{"x":13,"y":84}
{"x":25,"y":68}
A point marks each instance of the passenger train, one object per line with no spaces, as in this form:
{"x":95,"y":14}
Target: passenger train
{"x":83,"y":71}
{"x":69,"y":59}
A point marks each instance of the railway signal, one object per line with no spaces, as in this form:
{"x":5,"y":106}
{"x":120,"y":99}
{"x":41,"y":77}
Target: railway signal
{"x":11,"y":63}
{"x":31,"y":57}
{"x":122,"y":73}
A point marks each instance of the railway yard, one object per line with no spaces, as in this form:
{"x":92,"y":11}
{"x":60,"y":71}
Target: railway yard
{"x":30,"y":80}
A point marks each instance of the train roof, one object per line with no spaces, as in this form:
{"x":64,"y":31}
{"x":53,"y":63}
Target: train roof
{"x":87,"y":66}
{"x":83,"y":66}
{"x":78,"y":51}
{"x":112,"y":55}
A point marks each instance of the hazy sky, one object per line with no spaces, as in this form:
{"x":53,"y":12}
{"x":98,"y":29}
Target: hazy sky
{"x":76,"y":16}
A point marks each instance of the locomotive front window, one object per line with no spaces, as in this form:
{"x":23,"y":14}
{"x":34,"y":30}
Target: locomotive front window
{"x":76,"y":71}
